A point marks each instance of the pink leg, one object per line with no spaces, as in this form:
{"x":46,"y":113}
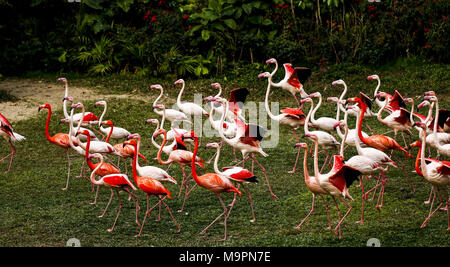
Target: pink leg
{"x":68,"y":170}
{"x":118,"y":212}
{"x":431,"y":215}
{"x":343,"y":218}
{"x":137,"y":204}
{"x":328,"y":212}
{"x":339,"y":213}
{"x":265,"y":175}
{"x":147,"y":213}
{"x":170,"y":213}
{"x":309,"y":214}
{"x":13,"y":151}
{"x":362,"y":201}
{"x":96,"y":196}
{"x":107,"y":205}
{"x":218,"y":217}
{"x":251,"y":203}
{"x":183,"y":181}
{"x":187,"y":193}
{"x":298,"y":153}
{"x":429,"y":198}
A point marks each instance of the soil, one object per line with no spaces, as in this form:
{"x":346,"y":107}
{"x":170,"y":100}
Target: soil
{"x":32,"y":93}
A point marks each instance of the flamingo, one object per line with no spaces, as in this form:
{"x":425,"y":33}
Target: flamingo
{"x":148,"y":171}
{"x":325,"y":139}
{"x":86,"y":120}
{"x":236,"y":100}
{"x":151,"y":186}
{"x":182,"y":157}
{"x":399,"y":120}
{"x":177,"y":143}
{"x":315,"y":188}
{"x":438,"y":174}
{"x":365,"y":165}
{"x":188,"y":108}
{"x":324,"y":123}
{"x":117,"y":182}
{"x":380,"y":142}
{"x":294,"y":78}
{"x":174,"y":131}
{"x":59,"y":139}
{"x":351,"y":137}
{"x":237,"y":174}
{"x":292,"y":117}
{"x":394,"y":102}
{"x":172,"y":114}
{"x":247,"y":140}
{"x":7,"y":132}
{"x":442,"y":149}
{"x":117,"y":132}
{"x":215,"y":183}
{"x":335,"y":182}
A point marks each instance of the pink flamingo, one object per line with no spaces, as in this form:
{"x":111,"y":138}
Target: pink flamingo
{"x":438,"y":174}
{"x":7,"y":132}
{"x":117,"y":182}
{"x":118,"y":133}
{"x":294,"y":78}
{"x":236,"y":100}
{"x":237,"y":174}
{"x":213,"y":182}
{"x":292,"y":117}
{"x":336,"y":182}
{"x":154,"y":187}
{"x":394,"y":102}
{"x":171,"y":114}
{"x":315,"y":188}
{"x":59,"y":139}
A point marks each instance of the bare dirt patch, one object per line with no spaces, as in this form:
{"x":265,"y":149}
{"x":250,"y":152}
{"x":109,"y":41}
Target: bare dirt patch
{"x":32,"y":93}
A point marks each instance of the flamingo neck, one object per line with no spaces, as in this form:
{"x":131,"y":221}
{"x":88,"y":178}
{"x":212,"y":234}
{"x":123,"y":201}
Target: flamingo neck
{"x":313,"y":120}
{"x":135,"y":159}
{"x":358,"y":136}
{"x":216,"y":162}
{"x":47,"y":134}
{"x":160,"y":151}
{"x":436,"y":118}
{"x":378,"y":101}
{"x":423,"y":166}
{"x":305,"y":126}
{"x":193,"y":170}
{"x":180,"y":94}
{"x":101,"y":117}
{"x":66,"y":94}
{"x":417,"y":162}
{"x":316,"y":161}
{"x":305,"y":166}
{"x":110,"y":133}
{"x":344,"y":138}
{"x":94,"y":171}
{"x":359,"y":121}
{"x":88,"y":160}
{"x":272,"y":74}
{"x":381,"y":111}
{"x":222,"y":119}
{"x":159,"y":97}
{"x":266,"y":101}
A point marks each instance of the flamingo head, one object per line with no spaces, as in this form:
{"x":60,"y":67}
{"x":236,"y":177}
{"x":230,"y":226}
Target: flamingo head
{"x":339,"y":124}
{"x":431,"y":98}
{"x":316,"y":94}
{"x":415,"y":144}
{"x":98,"y":103}
{"x":354,"y":107}
{"x":381,"y":95}
{"x":159,"y":132}
{"x":154,"y":121}
{"x":214,"y":145}
{"x":333,"y":99}
{"x":424,"y":103}
{"x":131,"y":142}
{"x":354,"y":100}
{"x":179,"y":81}
{"x":77,"y":105}
{"x":373,"y":77}
{"x":108,"y":122}
{"x":301,"y":145}
{"x":83,"y":132}
{"x":420,"y":124}
{"x":67,"y":98}
{"x":62,"y":79}
{"x":272,"y":60}
{"x":338,"y":82}
{"x":66,"y":120}
{"x":408,"y":100}
{"x":210,"y":99}
{"x":46,"y":105}
{"x":310,"y":135}
{"x":134,"y":136}
{"x":304,"y":100}
{"x":95,"y":155}
{"x":215,"y":85}
{"x":287,"y":65}
{"x":264,"y":74}
{"x":156,"y":86}
{"x":160,"y":106}
{"x":430,"y":93}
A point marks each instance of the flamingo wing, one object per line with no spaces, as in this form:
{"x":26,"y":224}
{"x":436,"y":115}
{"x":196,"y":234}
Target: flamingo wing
{"x":5,"y":125}
{"x":118,"y":180}
{"x":295,"y":113}
{"x":237,"y":98}
{"x":239,"y":174}
{"x":444,"y":169}
{"x":404,"y":117}
{"x":443,"y":116}
{"x":344,"y":177}
{"x":366,"y":99}
{"x":397,"y":101}
{"x":153,"y":186}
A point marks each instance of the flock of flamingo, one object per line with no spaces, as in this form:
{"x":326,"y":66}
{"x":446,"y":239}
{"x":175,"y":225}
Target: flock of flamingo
{"x":374,"y":155}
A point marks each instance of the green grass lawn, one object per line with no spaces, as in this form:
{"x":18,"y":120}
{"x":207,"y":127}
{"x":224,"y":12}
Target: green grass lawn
{"x":36,"y":212}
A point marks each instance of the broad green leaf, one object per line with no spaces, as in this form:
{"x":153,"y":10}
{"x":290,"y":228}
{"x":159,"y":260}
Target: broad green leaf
{"x":230,"y":23}
{"x":247,"y":8}
{"x":267,"y":22}
{"x":95,"y":4}
{"x":125,"y":4}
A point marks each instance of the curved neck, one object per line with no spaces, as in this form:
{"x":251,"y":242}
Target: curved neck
{"x":423,"y":164}
{"x":266,"y":101}
{"x":216,"y":162}
{"x":71,"y":131}
{"x":135,"y":159}
{"x":417,"y":162}
{"x":94,"y":171}
{"x":160,"y":151}
{"x":101,"y":117}
{"x":339,"y":101}
{"x":344,"y":138}
{"x":359,"y":134}
{"x":436,"y":118}
{"x":381,"y":111}
{"x":193,"y":170}
{"x":180,"y":94}
{"x":307,"y":118}
{"x":66,"y":94}
{"x":110,"y":132}
{"x":411,"y":115}
{"x":47,"y":134}
{"x":378,"y":101}
{"x":305,"y":166}
{"x":157,"y":99}
{"x":88,"y":160}
{"x":315,"y":109}
{"x":359,"y":121}
{"x":220,"y":130}
{"x":316,"y":161}
{"x":430,"y":113}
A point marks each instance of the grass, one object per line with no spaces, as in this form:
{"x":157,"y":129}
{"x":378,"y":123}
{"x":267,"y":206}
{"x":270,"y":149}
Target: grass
{"x":36,"y":212}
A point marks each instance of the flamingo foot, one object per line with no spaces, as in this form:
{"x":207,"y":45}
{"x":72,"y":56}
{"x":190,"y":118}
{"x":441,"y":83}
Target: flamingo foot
{"x":360,"y":221}
{"x":253,"y":220}
{"x":292,"y":171}
{"x":426,"y":202}
{"x":110,"y":230}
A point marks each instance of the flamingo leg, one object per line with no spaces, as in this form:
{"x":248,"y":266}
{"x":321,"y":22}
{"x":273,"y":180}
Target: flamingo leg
{"x":439,"y":206}
{"x":13,"y":151}
{"x":429,"y":198}
{"x":309,"y":214}
{"x":298,"y":153}
{"x":118,"y":213}
{"x":107,"y":205}
{"x":137,"y":204}
{"x":96,"y":197}
{"x":251,"y":203}
{"x":183,"y":181}
{"x":186,"y":196}
{"x":170,"y":213}
{"x":159,"y":214}
{"x":265,"y":175}
{"x":339,"y":213}
{"x":328,"y":212}
{"x":368,"y":127}
{"x":224,"y":213}
{"x":68,"y":170}
{"x":362,"y":201}
{"x":338,"y":227}
{"x":147,"y":213}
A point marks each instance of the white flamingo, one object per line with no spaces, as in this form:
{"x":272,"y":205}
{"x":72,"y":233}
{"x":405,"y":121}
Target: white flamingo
{"x":118,"y":133}
{"x":171,"y":114}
